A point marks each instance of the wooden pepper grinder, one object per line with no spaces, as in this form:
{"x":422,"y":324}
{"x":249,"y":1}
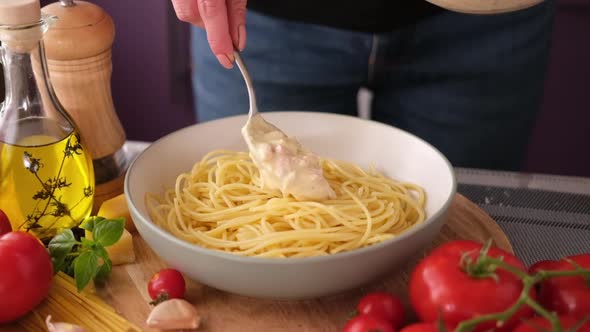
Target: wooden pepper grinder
{"x":78,"y":48}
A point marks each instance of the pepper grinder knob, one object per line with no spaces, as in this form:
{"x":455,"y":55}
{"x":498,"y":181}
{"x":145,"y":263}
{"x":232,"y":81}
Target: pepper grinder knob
{"x":67,"y":3}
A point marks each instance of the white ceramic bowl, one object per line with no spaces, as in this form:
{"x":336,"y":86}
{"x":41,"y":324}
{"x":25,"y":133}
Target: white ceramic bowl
{"x":395,"y":152}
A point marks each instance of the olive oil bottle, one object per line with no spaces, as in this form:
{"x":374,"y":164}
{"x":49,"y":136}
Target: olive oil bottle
{"x":46,"y":174}
{"x":46,"y":182}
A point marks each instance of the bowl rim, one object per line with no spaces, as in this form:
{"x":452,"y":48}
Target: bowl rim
{"x":291,"y":260}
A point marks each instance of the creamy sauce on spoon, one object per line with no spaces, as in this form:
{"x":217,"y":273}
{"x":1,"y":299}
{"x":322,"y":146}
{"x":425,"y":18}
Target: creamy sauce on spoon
{"x":283,"y":163}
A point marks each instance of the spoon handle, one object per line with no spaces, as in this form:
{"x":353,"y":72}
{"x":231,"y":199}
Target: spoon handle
{"x":242,"y":66}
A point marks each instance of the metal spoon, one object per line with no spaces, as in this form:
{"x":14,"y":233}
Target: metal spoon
{"x":242,"y":66}
{"x":256,"y":126}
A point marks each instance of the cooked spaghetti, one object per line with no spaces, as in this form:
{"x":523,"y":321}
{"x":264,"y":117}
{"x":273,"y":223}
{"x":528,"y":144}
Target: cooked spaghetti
{"x":221,"y":204}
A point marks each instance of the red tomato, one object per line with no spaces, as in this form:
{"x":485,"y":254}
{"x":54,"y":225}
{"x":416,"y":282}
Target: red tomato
{"x":543,"y":265}
{"x":542,"y":324}
{"x":383,"y":305}
{"x":424,"y":327}
{"x":5,"y":226}
{"x":566,"y":295}
{"x":167,"y":284}
{"x":26,"y":274}
{"x":368,"y":323}
{"x":439,"y":287}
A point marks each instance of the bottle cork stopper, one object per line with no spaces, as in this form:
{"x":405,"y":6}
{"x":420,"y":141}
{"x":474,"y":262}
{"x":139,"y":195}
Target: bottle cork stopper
{"x":17,"y":12}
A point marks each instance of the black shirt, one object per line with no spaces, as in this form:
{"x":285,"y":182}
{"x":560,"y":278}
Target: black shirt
{"x":359,"y":15}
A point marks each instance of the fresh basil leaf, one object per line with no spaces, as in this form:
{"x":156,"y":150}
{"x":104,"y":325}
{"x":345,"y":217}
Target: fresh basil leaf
{"x":108,"y":232}
{"x":103,"y":272}
{"x":89,"y":244}
{"x":106,"y":267}
{"x":98,"y":221}
{"x":101,"y":252}
{"x":91,"y":222}
{"x":85,"y":268}
{"x":61,"y":245}
{"x":88,"y":224}
{"x":59,"y":264}
{"x":69,"y":267}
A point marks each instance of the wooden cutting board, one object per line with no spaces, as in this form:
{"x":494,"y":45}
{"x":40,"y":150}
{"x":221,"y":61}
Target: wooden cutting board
{"x":221,"y":311}
{"x":126,"y":289}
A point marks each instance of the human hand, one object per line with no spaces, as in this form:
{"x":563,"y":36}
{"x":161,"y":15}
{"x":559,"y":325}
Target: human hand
{"x":223,"y":20}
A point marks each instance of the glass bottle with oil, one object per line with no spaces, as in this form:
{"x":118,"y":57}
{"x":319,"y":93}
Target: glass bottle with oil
{"x":46,"y":174}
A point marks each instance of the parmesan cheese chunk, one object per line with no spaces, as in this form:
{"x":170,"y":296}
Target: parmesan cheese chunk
{"x":122,"y":251}
{"x":116,"y":207}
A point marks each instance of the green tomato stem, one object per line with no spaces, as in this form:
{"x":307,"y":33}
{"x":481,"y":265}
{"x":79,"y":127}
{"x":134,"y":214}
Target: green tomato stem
{"x":500,"y":263}
{"x":551,"y":317}
{"x":486,"y":263}
{"x":545,"y":274}
{"x":585,"y":275}
{"x":500,"y":317}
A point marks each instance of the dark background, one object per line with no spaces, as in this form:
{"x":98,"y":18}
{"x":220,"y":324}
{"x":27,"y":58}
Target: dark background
{"x":152,"y":94}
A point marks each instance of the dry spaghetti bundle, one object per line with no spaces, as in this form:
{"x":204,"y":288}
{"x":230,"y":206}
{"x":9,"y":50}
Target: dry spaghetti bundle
{"x":64,"y":303}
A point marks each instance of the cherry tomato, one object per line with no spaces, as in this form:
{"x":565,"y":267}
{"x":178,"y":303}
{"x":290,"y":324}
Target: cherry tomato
{"x":543,"y":265}
{"x":439,"y":287}
{"x":424,"y":327}
{"x":25,"y":277}
{"x":566,"y":295}
{"x":383,"y":305}
{"x":368,"y":323}
{"x":539,"y":324}
{"x":167,"y":284}
{"x":5,"y":226}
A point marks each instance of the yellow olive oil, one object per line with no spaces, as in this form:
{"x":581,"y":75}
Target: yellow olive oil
{"x":46,"y":182}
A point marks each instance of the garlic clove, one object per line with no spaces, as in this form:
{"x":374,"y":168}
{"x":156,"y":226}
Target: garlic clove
{"x":174,"y":314}
{"x":62,"y":327}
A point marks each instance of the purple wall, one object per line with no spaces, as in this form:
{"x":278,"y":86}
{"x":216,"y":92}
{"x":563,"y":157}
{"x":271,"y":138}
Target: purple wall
{"x":145,"y":71}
